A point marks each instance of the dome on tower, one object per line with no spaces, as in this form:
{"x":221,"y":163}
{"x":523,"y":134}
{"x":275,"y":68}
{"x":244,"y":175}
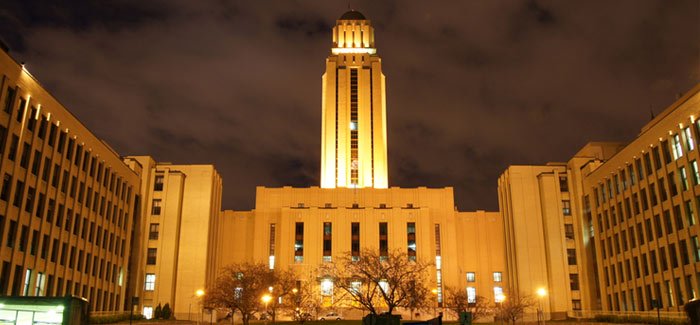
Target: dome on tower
{"x":352,"y":15}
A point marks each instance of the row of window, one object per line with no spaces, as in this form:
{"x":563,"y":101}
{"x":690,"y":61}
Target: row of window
{"x":628,"y":176}
{"x":327,"y":236}
{"x":635,"y":270}
{"x":49,"y":285}
{"x":667,"y":293}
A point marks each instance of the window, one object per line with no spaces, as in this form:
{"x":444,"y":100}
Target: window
{"x":383,"y":239}
{"x":411,"y":240}
{"x":153,"y":231}
{"x":576,"y":304}
{"x":696,"y":248}
{"x":497,"y":276}
{"x":471,"y":277}
{"x":471,"y":295}
{"x":497,"y":294}
{"x":563,"y":184}
{"x":696,"y":172}
{"x":657,"y":158}
{"x":566,"y":207}
{"x":9,"y":99}
{"x":158,"y":183}
{"x":271,"y":255}
{"x":155,"y":209}
{"x":665,"y":150}
{"x":571,"y":256}
{"x":151,"y":256}
{"x":150,"y":284}
{"x":147,"y":312}
{"x":355,"y":241}
{"x":573,"y":281}
{"x":327,"y":287}
{"x":677,"y":148}
{"x":327,"y":241}
{"x":299,"y":242}
{"x":684,"y":178}
{"x":689,"y":143}
{"x":27,"y":280}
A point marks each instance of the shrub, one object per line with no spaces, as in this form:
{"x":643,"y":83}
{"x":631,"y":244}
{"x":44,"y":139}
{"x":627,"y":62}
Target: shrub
{"x":158,"y":313}
{"x":166,"y":312}
{"x":110,"y":319}
{"x":639,"y":320}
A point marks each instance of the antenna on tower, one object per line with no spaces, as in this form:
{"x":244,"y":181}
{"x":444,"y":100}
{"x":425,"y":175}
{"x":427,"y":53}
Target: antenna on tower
{"x":349,"y":5}
{"x":651,"y":111}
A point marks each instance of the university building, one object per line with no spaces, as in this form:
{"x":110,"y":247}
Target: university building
{"x":613,"y":229}
{"x":642,"y":206}
{"x":354,"y":208}
{"x":67,"y":201}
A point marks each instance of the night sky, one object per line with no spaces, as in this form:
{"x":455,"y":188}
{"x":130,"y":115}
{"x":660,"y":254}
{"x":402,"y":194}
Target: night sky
{"x":472,"y":86}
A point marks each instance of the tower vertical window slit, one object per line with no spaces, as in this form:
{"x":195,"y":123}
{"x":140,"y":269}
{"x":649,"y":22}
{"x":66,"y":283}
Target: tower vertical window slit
{"x":354,"y":162}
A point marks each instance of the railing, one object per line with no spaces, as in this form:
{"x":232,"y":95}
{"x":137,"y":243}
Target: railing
{"x":650,"y":313}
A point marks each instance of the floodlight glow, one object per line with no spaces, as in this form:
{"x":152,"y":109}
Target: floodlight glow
{"x":354,"y":50}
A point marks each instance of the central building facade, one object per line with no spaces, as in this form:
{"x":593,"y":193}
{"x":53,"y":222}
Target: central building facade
{"x":354,"y":208}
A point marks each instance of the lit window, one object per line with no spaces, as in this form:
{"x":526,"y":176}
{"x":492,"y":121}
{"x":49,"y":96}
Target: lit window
{"x":497,"y":277}
{"x":689,"y":143}
{"x":471,"y":277}
{"x":384,"y":286}
{"x":471,"y":295}
{"x":356,"y":286}
{"x":353,"y":126}
{"x":150,"y":282}
{"x":696,"y":172}
{"x":158,"y":183}
{"x":684,"y":178}
{"x":147,"y":312}
{"x":327,"y":287}
{"x":498,"y":294}
{"x":27,"y":278}
{"x":677,"y":149}
{"x":153,"y":231}
{"x":155,"y":208}
{"x":566,"y":207}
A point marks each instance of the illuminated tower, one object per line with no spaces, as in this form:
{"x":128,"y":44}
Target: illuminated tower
{"x":353,"y":130}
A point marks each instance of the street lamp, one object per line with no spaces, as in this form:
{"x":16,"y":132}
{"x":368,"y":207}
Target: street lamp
{"x":541,"y":292}
{"x":266,"y":298}
{"x":434,"y":291}
{"x":500,"y":298}
{"x":199,"y":293}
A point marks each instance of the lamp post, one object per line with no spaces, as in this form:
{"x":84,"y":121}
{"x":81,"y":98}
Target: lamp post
{"x":541,"y":292}
{"x":266,"y":298}
{"x":435,"y":292}
{"x":199,"y":294}
{"x":500,"y":298}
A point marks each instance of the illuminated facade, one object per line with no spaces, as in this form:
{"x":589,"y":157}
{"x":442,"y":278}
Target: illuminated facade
{"x":545,"y":235}
{"x":67,"y":201}
{"x":644,"y":213}
{"x":175,"y":255}
{"x":354,"y":208}
{"x":353,"y":119}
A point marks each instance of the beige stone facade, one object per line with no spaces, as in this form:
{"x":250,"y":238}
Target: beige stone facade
{"x":456,"y":243}
{"x":177,"y":248}
{"x":67,"y":201}
{"x":644,"y":212}
{"x":546,"y":238}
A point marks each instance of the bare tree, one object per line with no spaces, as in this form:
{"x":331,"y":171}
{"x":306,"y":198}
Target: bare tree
{"x":282,"y":286}
{"x":377,"y":280}
{"x":513,"y":308}
{"x":457,"y":301}
{"x":303,"y":300}
{"x":239,"y":287}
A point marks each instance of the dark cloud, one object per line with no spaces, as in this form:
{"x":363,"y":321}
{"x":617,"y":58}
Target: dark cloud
{"x":472,"y":86}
